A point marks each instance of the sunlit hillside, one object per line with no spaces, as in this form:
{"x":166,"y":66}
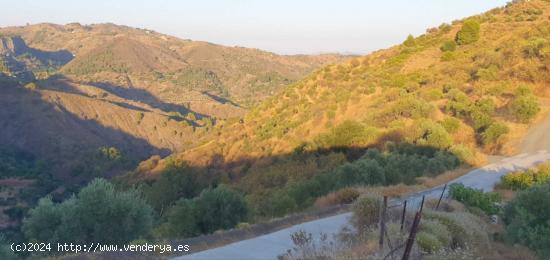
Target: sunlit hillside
{"x":470,"y":89}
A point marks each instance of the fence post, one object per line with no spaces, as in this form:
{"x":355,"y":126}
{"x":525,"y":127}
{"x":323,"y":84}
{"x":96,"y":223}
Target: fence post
{"x":403,"y":215}
{"x":441,"y":197}
{"x":383,"y":223}
{"x":412,"y":236}
{"x":422,"y":203}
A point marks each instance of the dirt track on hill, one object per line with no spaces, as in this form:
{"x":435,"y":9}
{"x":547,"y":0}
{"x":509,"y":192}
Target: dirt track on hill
{"x":537,"y":138}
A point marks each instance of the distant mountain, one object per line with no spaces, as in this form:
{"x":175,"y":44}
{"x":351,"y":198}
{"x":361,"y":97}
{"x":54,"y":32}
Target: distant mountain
{"x":69,"y":90}
{"x":212,"y":79}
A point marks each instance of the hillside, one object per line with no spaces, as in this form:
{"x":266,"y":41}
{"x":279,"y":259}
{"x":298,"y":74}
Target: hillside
{"x":470,"y":89}
{"x":142,"y":92}
{"x":211,"y":79}
{"x":461,"y":89}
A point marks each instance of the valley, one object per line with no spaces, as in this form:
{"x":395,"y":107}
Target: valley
{"x":122,"y":135}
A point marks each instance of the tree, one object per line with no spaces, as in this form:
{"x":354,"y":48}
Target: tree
{"x":220,"y":208}
{"x":5,"y":250}
{"x":410,"y":41}
{"x":448,"y":46}
{"x":97,"y":214}
{"x":182,"y":219}
{"x":44,"y":221}
{"x":527,"y":218}
{"x":451,"y":124}
{"x":177,"y":181}
{"x":469,"y":33}
{"x":525,"y":108}
{"x":494,"y":132}
{"x":430,"y":133}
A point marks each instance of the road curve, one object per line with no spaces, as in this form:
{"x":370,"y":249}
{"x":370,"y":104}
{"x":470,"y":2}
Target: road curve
{"x":271,"y":245}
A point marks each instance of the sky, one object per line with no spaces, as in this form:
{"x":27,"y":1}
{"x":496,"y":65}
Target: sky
{"x":280,"y":26}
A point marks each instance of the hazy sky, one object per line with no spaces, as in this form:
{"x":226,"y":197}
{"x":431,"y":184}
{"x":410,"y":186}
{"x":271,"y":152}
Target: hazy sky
{"x":282,"y":26}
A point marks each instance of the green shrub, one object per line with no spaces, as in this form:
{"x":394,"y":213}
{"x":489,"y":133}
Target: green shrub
{"x":536,"y":48}
{"x":464,"y":153}
{"x":437,"y":229}
{"x":469,"y":33}
{"x":465,"y":229}
{"x":525,"y":108}
{"x":97,"y":214}
{"x":448,"y":46}
{"x":527,"y":218}
{"x":110,"y":153}
{"x":220,"y":208}
{"x":410,"y":41}
{"x":430,"y":133}
{"x":174,"y":183}
{"x":451,"y":124}
{"x":448,"y":56}
{"x":459,"y":103}
{"x":480,"y":120}
{"x":428,"y":242}
{"x":488,"y":202}
{"x":366,"y":211}
{"x":494,"y":132}
{"x":524,"y":179}
{"x":347,"y":134}
{"x":481,"y":114}
{"x":5,"y":250}
{"x":181,"y":220}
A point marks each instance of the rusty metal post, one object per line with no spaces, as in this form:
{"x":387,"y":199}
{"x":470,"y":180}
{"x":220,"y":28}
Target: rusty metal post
{"x":383,"y":223}
{"x":441,"y":197}
{"x":403,"y":215}
{"x":412,"y":236}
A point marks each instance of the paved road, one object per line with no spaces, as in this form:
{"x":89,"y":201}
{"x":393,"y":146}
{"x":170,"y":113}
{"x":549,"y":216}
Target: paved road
{"x":271,"y":245}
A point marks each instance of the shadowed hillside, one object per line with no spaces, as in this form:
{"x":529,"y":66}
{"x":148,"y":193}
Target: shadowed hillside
{"x":181,"y":72}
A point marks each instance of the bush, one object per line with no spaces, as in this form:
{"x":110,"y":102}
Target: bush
{"x":523,"y":180}
{"x":469,"y":33}
{"x":451,"y":124}
{"x":347,"y":195}
{"x":525,"y":108}
{"x":410,"y":41}
{"x":181,"y":219}
{"x":347,"y":134}
{"x":175,"y":182}
{"x":366,"y":212}
{"x":97,"y":214}
{"x":459,"y":103}
{"x":430,"y":133}
{"x":437,"y":229}
{"x":494,"y":132}
{"x":536,"y":48}
{"x":428,"y":242}
{"x":465,"y":229}
{"x":213,"y":210}
{"x":465,"y":154}
{"x":5,"y":250}
{"x":220,"y":208}
{"x":527,"y":218}
{"x":448,"y":46}
{"x":488,"y":202}
{"x":481,"y":113}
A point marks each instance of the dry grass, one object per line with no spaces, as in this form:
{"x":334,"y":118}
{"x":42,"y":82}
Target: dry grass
{"x":398,"y":190}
